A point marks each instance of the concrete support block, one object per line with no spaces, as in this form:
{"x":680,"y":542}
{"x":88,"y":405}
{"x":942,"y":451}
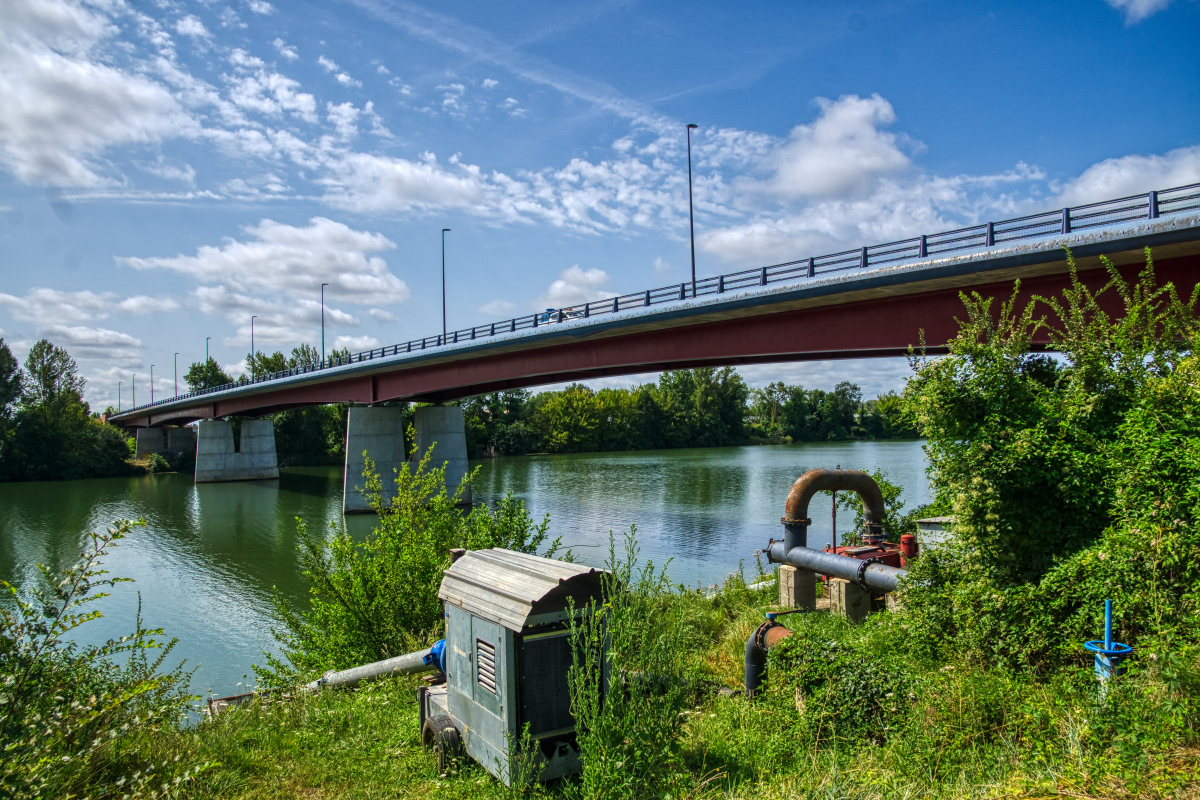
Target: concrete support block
{"x":150,"y":440}
{"x":181,"y":439}
{"x":443,"y":425}
{"x":797,"y":588}
{"x":380,"y":433}
{"x":895,"y":601}
{"x":217,"y":460}
{"x":849,"y":599}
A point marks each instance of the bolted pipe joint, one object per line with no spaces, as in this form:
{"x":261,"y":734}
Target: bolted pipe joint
{"x":765,"y":636}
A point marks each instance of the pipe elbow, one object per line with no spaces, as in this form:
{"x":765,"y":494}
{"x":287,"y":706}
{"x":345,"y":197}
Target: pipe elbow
{"x":765,"y":636}
{"x":834,"y":480}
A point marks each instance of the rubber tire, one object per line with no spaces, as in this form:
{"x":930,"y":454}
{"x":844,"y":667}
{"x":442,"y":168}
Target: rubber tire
{"x":439,"y":734}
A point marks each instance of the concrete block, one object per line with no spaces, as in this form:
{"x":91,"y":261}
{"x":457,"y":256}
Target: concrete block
{"x":181,"y":439}
{"x":895,"y":602}
{"x":797,"y":588}
{"x":380,"y":433}
{"x":150,"y":440}
{"x":849,"y":599}
{"x":217,"y":460}
{"x":443,"y":426}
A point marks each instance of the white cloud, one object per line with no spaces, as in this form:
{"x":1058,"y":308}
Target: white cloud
{"x":294,"y":261}
{"x":163,"y":169}
{"x":1134,"y":174}
{"x":331,"y":66}
{"x":575,"y":286}
{"x":379,"y":315}
{"x":497,"y":308}
{"x":95,"y":344}
{"x":328,"y":63}
{"x":370,"y":183}
{"x":1137,"y":10}
{"x":286,"y":50}
{"x":344,"y":118}
{"x":346,"y":80}
{"x":57,"y":307}
{"x":268,"y":93}
{"x":489,"y":83}
{"x":843,"y":153}
{"x":355,"y":343}
{"x":382,"y":70}
{"x":260,"y":7}
{"x":662,"y":267}
{"x":192,"y":26}
{"x":62,"y":107}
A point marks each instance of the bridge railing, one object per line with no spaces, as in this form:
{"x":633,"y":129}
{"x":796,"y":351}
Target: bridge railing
{"x":989,"y":234}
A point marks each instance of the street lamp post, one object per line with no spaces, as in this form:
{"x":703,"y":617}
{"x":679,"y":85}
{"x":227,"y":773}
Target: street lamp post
{"x":444,"y":232}
{"x":152,"y":384}
{"x":691,"y":217}
{"x":252,"y":355}
{"x":118,"y":397}
{"x":133,"y":382}
{"x":206,"y":339}
{"x":323,"y":285}
{"x":177,"y":374}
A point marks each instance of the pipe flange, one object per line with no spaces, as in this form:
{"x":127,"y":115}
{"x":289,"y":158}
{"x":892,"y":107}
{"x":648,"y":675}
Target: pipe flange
{"x":861,"y":578}
{"x":787,"y":521}
{"x":760,"y":634}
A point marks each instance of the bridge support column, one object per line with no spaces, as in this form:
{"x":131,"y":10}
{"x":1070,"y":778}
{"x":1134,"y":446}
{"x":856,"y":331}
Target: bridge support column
{"x":443,"y":425}
{"x":218,"y":460}
{"x":181,"y":439}
{"x":150,"y":440}
{"x":379,"y":432}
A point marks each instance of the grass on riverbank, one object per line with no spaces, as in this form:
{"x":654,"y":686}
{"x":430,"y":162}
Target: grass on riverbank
{"x":874,"y":724}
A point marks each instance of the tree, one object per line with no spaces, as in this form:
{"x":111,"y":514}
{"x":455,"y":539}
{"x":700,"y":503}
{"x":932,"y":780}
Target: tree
{"x":305,"y":356}
{"x":261,"y":364}
{"x":11,"y":383}
{"x":51,"y":377}
{"x":203,"y":375}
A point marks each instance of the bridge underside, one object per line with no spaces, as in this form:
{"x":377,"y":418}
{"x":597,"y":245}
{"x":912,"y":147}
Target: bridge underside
{"x":853,"y":324}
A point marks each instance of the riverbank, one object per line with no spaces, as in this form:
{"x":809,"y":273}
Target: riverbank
{"x":860,"y":726}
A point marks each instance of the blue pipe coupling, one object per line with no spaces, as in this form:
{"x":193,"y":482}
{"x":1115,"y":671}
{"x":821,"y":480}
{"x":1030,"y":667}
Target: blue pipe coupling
{"x":1110,"y":655}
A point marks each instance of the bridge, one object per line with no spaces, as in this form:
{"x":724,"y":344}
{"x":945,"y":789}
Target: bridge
{"x":867,"y":302}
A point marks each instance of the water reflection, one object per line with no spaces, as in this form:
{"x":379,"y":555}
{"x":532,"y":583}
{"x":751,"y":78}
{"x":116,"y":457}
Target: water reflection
{"x":209,"y":556}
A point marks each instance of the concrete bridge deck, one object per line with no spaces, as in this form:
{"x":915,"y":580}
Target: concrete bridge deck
{"x":871,"y":311}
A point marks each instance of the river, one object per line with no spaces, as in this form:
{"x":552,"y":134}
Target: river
{"x":208,"y":556}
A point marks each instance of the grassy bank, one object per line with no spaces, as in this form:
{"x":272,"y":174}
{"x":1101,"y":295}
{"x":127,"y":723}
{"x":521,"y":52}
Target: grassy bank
{"x":873,"y":721}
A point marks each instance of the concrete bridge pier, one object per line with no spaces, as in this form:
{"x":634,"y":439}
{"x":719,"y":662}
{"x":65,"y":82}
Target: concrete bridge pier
{"x":379,"y":431}
{"x":218,"y":459}
{"x":443,"y":425}
{"x":166,"y":439}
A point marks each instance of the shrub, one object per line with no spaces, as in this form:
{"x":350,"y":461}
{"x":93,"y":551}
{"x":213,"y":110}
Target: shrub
{"x":62,"y":705}
{"x":377,"y":598}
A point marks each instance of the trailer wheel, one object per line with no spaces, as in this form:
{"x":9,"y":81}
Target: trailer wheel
{"x":439,"y":734}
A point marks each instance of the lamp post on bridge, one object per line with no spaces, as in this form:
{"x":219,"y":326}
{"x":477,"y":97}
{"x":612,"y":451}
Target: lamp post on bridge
{"x":151,"y":384}
{"x":444,"y":232}
{"x":206,"y":339}
{"x":691,"y":218}
{"x":177,"y":374}
{"x":323,"y":285}
{"x":118,"y":397}
{"x":133,"y":382}
{"x":253,"y":357}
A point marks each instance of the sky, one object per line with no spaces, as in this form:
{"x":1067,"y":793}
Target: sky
{"x":170,"y":169}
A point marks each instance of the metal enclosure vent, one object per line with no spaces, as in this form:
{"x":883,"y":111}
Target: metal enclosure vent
{"x":485,"y":665}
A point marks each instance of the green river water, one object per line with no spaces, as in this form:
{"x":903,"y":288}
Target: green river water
{"x":207,"y":558}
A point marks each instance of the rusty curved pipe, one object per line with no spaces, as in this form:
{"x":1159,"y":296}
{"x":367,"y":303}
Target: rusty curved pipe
{"x":834,"y":480}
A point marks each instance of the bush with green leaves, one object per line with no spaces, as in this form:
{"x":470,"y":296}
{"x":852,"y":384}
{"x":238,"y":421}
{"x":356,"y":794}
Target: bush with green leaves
{"x":1071,"y":480}
{"x":65,"y":706}
{"x":377,"y":598}
{"x":628,"y":681}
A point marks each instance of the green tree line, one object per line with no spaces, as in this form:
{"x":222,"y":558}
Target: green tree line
{"x":47,"y":430}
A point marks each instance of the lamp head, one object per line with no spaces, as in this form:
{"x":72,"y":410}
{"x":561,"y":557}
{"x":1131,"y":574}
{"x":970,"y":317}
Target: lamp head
{"x":445,"y":230}
{"x":692,"y":125}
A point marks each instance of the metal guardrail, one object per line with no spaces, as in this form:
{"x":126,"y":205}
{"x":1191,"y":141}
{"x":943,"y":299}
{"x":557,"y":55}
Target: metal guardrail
{"x":1050,"y":223}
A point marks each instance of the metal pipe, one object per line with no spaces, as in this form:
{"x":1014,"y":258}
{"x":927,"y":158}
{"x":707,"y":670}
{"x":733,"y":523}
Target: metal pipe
{"x":406,"y":664}
{"x":863,"y":572}
{"x":765,"y":636}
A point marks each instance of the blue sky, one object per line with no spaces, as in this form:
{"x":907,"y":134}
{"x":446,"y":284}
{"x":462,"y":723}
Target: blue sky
{"x":168,"y":169}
